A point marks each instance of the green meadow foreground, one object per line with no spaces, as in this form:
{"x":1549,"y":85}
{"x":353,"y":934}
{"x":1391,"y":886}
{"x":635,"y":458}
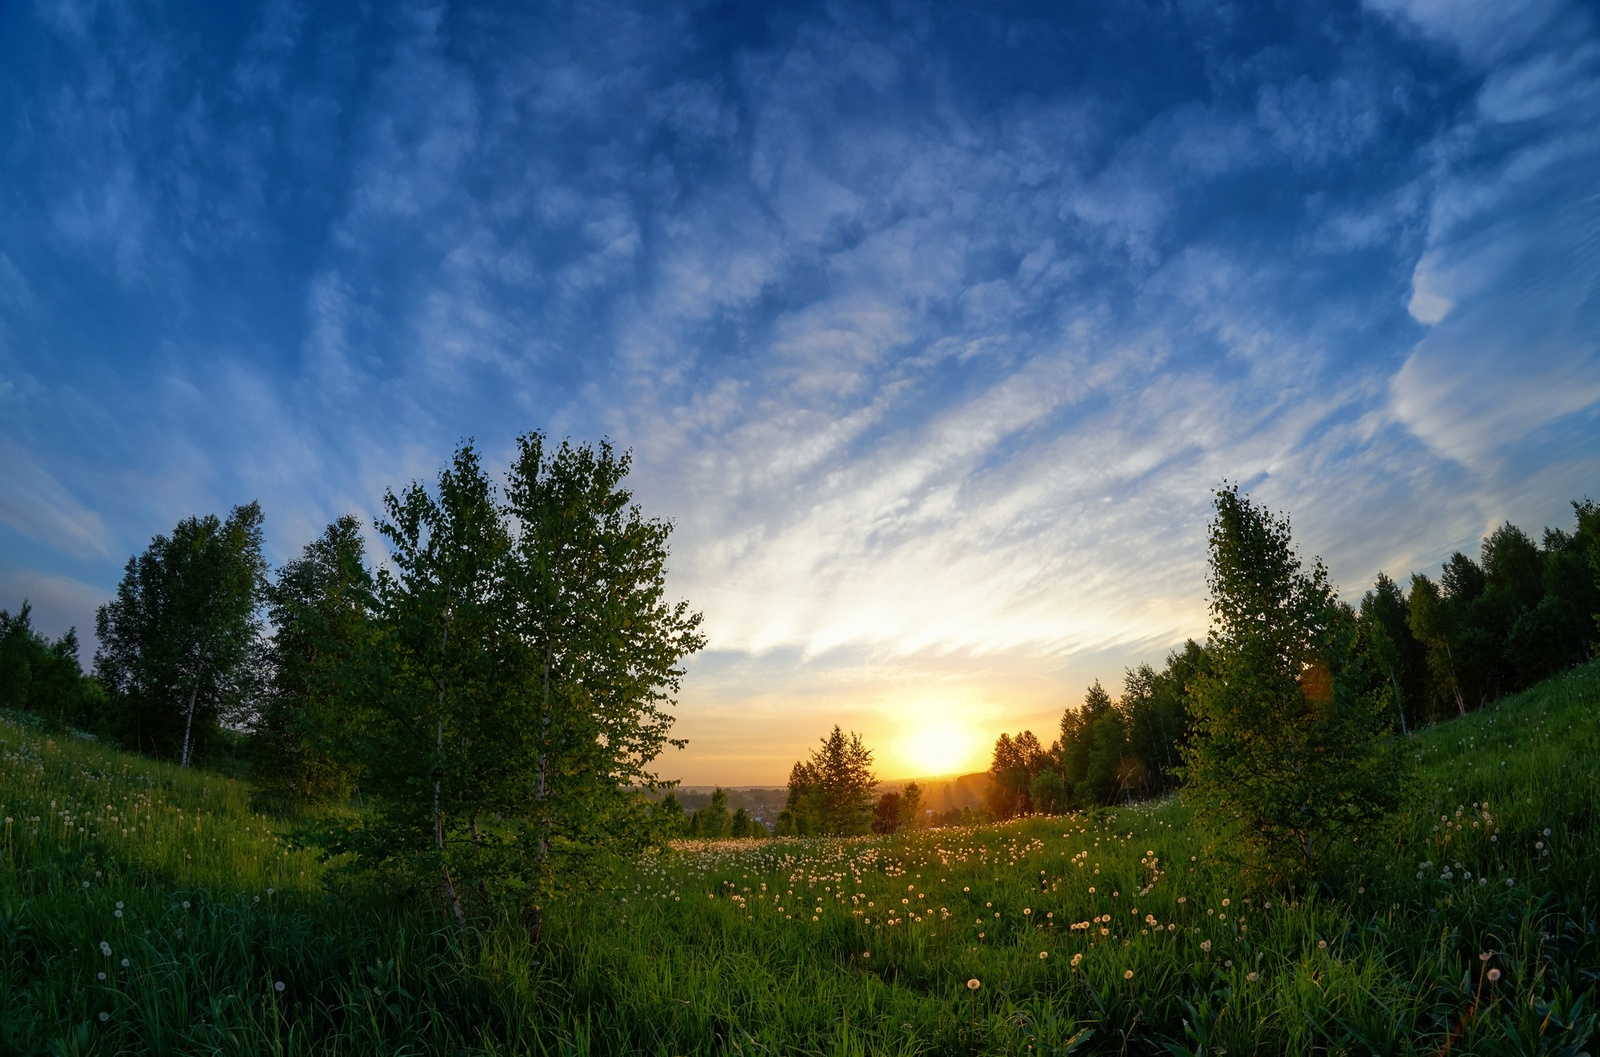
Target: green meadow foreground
{"x":144,"y":909}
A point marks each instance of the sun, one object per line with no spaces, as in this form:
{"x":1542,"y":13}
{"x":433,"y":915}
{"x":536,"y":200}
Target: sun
{"x":936,"y":747}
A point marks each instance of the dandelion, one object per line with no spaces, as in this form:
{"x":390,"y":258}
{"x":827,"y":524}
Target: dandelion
{"x":100,"y":976}
{"x":105,"y":949}
{"x":973,"y":984}
{"x":1322,"y":945}
{"x":1043,"y":955}
{"x":1494,"y":975}
{"x":116,"y":913}
{"x":1252,"y":977}
{"x":1127,"y":974}
{"x":125,"y":963}
{"x":278,"y":986}
{"x":1205,"y":945}
{"x":104,"y":1016}
{"x":866,"y":954}
{"x":1076,"y":958}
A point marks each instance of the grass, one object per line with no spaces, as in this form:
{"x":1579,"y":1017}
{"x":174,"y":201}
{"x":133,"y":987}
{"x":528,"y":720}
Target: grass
{"x":1473,"y":929}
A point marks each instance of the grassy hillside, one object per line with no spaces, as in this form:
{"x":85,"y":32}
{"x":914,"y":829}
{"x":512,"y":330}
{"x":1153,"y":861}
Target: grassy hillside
{"x":143,"y":909}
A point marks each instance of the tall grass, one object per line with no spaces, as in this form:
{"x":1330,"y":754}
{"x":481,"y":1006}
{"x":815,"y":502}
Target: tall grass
{"x":1470,"y":929}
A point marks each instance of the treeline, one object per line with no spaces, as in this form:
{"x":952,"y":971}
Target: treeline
{"x":496,"y":690}
{"x":712,"y":822}
{"x":1519,"y":613}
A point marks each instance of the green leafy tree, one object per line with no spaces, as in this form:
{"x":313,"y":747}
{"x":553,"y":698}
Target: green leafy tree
{"x":530,"y":659}
{"x":1015,"y":763}
{"x":1047,"y":793}
{"x":1560,"y":631}
{"x":671,"y":821}
{"x":1383,"y":633}
{"x":180,"y":645}
{"x":44,"y":677}
{"x":911,"y":806}
{"x":601,"y":651}
{"x":886,"y":816}
{"x":1093,"y":751}
{"x":304,"y":727}
{"x":831,"y":792}
{"x":1288,"y":757}
{"x":1435,"y":624}
{"x":713,"y":821}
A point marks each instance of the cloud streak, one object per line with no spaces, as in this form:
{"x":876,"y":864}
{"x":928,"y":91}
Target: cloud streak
{"x":930,"y":329}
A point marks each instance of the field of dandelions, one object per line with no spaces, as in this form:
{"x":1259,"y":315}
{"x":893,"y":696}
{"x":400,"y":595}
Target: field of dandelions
{"x":148,"y":910}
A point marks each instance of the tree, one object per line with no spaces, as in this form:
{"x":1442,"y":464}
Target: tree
{"x":1093,"y":747}
{"x":528,"y":661}
{"x":831,"y":792}
{"x":670,"y":818}
{"x":1288,"y":758}
{"x":43,"y":677}
{"x":180,"y":644}
{"x":1383,"y":632}
{"x":1435,"y":626}
{"x":1016,"y":761}
{"x":318,"y":607}
{"x":601,"y":648}
{"x":742,"y":825}
{"x":713,"y":822}
{"x":911,"y":806}
{"x":886,"y":816}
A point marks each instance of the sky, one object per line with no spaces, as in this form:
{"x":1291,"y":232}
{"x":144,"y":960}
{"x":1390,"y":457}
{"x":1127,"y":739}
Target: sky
{"x":931,"y":327}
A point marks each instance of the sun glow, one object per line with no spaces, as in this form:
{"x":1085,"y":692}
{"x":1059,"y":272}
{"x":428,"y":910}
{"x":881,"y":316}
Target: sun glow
{"x":937,"y":747}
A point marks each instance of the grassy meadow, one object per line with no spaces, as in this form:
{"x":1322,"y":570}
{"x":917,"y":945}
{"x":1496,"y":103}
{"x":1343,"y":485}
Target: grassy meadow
{"x":144,"y":909}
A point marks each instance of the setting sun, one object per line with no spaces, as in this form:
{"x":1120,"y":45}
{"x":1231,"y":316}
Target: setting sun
{"x":938,"y":747}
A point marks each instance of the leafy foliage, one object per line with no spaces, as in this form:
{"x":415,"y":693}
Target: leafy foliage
{"x":306,"y":722}
{"x":526,"y":658}
{"x":1290,"y":757}
{"x":830,"y":793}
{"x":44,"y":677}
{"x":180,"y":645}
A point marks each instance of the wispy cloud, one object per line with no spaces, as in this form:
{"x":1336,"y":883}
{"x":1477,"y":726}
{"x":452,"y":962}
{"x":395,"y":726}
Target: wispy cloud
{"x":930,"y":329}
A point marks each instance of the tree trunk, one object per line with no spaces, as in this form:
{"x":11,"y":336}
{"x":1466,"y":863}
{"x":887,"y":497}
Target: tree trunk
{"x":1399,"y":704}
{"x":438,"y":777}
{"x":544,"y":753}
{"x":188,"y":722}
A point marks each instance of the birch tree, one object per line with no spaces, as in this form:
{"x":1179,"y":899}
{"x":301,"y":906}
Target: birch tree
{"x":180,"y":645}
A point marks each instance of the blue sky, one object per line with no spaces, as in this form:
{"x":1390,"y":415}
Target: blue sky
{"x":930,"y":325}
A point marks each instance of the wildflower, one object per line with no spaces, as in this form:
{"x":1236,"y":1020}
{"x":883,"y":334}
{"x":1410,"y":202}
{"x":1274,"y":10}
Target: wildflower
{"x":973,"y":984}
{"x":1128,"y":974}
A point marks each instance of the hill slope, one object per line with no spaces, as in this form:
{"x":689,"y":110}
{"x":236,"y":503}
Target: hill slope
{"x":146,"y":909}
